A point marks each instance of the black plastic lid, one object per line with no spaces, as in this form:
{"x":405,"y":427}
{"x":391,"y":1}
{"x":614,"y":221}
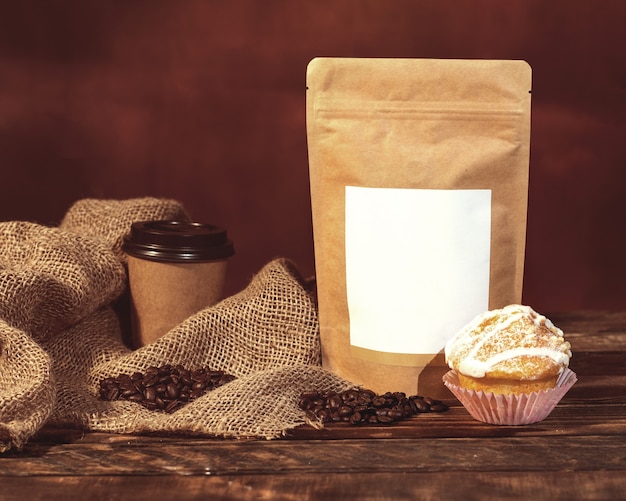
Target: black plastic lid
{"x":174,"y":242}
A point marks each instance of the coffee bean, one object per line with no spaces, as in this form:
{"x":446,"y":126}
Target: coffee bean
{"x":381,"y":411}
{"x":334,"y":401}
{"x":379,"y":402}
{"x":356,"y":418}
{"x":421,"y":405}
{"x":128,"y":393}
{"x":172,"y":390}
{"x":193,"y":394}
{"x":439,"y":407}
{"x":126,"y":384}
{"x":113,"y":393}
{"x":150,"y":394}
{"x":171,"y":406}
{"x":345,"y":410}
{"x":395,"y":414}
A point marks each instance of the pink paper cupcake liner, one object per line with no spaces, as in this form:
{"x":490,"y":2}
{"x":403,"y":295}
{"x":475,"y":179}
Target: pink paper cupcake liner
{"x":510,"y":409}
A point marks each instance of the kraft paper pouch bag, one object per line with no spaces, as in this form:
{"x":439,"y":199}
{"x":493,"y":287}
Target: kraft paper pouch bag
{"x":419,"y":187}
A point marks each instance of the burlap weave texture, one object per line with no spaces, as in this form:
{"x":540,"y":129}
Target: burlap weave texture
{"x":51,"y":278}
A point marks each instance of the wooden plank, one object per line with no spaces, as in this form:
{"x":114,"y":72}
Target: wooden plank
{"x":218,"y":457}
{"x":448,"y":484}
{"x":593,"y":331}
{"x":599,"y":363}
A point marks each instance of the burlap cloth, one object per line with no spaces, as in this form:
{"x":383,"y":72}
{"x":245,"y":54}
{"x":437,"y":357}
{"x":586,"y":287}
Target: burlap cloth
{"x":60,"y":336}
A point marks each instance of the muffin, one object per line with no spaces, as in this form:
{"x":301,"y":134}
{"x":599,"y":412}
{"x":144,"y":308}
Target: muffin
{"x":506,"y":359}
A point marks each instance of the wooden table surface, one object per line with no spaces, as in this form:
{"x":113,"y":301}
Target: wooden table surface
{"x":578,"y":452}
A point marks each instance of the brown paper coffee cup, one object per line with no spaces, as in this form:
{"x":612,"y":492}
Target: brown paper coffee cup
{"x":175,"y":269}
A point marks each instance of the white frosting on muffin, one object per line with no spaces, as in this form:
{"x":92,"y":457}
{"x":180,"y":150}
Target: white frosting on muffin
{"x":514,"y":342}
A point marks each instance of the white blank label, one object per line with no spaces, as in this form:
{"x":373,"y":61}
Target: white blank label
{"x":417,"y":265}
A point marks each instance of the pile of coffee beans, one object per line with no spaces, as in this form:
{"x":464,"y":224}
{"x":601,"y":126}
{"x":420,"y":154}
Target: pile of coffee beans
{"x":359,"y":406}
{"x":165,"y":388}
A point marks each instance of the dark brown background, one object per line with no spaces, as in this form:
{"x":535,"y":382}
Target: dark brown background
{"x":203,"y":101}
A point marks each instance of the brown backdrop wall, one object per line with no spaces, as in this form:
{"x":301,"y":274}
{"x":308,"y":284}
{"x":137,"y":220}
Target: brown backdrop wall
{"x":203,"y":101}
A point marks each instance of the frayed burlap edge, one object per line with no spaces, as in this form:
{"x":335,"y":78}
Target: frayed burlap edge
{"x":27,"y":387}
